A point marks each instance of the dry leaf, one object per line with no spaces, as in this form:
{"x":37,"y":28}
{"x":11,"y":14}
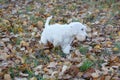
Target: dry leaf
{"x":20,"y":78}
{"x":91,"y":57}
{"x":95,"y":75}
{"x":45,"y":76}
{"x":5,"y":39}
{"x":23,"y":43}
{"x":115,"y":49}
{"x":119,"y":33}
{"x":86,"y":75}
{"x":73,"y":71}
{"x":38,"y":68}
{"x":45,"y":69}
{"x":23,"y":74}
{"x":64,"y":68}
{"x":33,"y":78}
{"x":7,"y":77}
{"x":97,"y":47}
{"x":3,"y":56}
{"x":107,"y":77}
{"x":40,"y":24}
{"x":25,"y":23}
{"x":46,"y":51}
{"x":20,"y":29}
{"x":52,"y":65}
{"x":54,"y":74}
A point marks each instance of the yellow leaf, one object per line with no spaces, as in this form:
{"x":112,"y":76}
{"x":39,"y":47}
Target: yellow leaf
{"x":97,"y":47}
{"x":115,"y":49}
{"x":119,"y":33}
{"x":20,"y":29}
{"x":60,"y":63}
{"x":91,"y":57}
{"x":23,"y":43}
{"x":108,"y":42}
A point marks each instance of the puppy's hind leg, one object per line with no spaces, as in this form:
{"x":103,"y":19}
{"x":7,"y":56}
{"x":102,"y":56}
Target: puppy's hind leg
{"x":43,"y":40}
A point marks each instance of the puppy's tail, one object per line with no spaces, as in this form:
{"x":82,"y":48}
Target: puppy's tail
{"x":47,"y":21}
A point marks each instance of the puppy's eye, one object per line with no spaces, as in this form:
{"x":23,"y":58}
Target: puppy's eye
{"x":82,"y":29}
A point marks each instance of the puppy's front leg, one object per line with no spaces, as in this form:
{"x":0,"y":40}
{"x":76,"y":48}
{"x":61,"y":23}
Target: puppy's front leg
{"x":66,"y":49}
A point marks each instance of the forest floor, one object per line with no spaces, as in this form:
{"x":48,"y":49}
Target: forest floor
{"x":23,"y":58}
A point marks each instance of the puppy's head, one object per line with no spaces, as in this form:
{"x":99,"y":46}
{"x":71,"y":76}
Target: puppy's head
{"x":79,"y":30}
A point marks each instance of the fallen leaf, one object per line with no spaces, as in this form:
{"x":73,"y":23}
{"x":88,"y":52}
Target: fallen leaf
{"x":33,"y":78}
{"x":115,"y":49}
{"x":107,"y":77}
{"x":46,"y":51}
{"x":20,"y":78}
{"x":52,"y":65}
{"x":97,"y":46}
{"x":5,"y":39}
{"x":23,"y":74}
{"x":86,"y":75}
{"x":91,"y":57}
{"x":25,"y":23}
{"x":3,"y":56}
{"x":73,"y":71}
{"x":24,"y":43}
{"x":40,"y":24}
{"x":119,"y":33}
{"x":95,"y":75}
{"x":64,"y":68}
{"x":7,"y":77}
{"x":45,"y":69}
{"x":38,"y":68}
{"x":20,"y":29}
{"x":54,"y":73}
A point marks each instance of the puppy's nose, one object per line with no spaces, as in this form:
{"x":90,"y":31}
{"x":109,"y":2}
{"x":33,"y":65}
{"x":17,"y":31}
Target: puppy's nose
{"x":86,"y":37}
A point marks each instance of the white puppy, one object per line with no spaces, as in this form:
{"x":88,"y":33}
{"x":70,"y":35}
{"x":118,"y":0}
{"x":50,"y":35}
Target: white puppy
{"x":63,"y":35}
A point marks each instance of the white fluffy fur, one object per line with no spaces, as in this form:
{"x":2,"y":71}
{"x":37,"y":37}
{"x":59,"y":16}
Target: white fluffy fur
{"x":63,"y":35}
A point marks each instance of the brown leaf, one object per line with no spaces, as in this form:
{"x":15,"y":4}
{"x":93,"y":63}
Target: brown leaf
{"x":46,"y":51}
{"x":40,"y":24}
{"x":73,"y":71}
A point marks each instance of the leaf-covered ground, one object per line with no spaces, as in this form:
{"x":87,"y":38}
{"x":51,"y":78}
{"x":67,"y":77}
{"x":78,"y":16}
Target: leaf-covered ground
{"x":23,"y":58}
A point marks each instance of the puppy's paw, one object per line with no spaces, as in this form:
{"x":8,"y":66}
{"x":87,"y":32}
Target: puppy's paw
{"x":67,"y":49}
